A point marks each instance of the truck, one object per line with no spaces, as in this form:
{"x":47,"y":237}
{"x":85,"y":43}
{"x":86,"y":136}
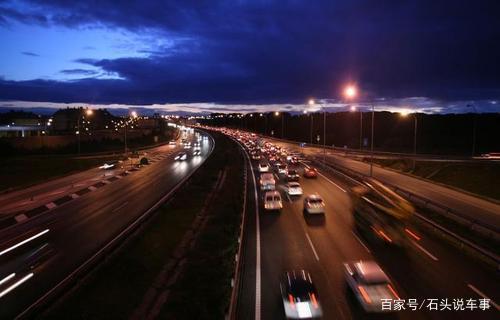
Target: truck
{"x":379,"y":211}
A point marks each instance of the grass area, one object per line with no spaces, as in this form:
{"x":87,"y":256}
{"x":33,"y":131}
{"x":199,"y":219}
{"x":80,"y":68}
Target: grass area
{"x":27,"y":170}
{"x":478,"y":178}
{"x":116,"y":289}
{"x":204,"y":289}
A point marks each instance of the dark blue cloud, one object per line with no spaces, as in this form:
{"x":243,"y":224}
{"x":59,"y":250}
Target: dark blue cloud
{"x":30,"y":54}
{"x":271,"y":52}
{"x":82,"y":72}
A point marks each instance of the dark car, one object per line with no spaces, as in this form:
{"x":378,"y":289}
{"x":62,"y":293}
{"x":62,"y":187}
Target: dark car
{"x":292,"y":175}
{"x":299,"y":295}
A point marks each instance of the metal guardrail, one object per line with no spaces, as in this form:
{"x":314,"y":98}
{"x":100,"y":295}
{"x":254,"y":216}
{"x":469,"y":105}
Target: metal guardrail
{"x":231,"y":314}
{"x":99,"y":256}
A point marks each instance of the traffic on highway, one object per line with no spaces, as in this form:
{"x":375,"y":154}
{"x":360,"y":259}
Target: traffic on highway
{"x":47,"y":251}
{"x":323,"y":245}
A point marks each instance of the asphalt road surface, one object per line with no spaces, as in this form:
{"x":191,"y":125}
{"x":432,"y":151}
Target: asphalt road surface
{"x":79,"y":228}
{"x":276,"y":242}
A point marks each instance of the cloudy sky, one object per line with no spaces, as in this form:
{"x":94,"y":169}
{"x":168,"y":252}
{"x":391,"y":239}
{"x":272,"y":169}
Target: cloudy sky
{"x":431,"y":55}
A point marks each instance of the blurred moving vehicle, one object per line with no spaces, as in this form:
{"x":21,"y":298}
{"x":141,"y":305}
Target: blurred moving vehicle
{"x":380,"y":211}
{"x":172,"y":143}
{"x":263,"y":167}
{"x":299,"y":296}
{"x":110,"y":165}
{"x":272,"y":200}
{"x":267,"y":181}
{"x":197,"y":152}
{"x":370,"y":285}
{"x":255,"y":156}
{"x":293,"y":189}
{"x":314,"y":204}
{"x":310,"y":172}
{"x":181,"y":156}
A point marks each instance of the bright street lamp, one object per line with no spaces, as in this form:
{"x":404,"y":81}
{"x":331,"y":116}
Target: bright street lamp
{"x":350,"y":92}
{"x":404,"y":114}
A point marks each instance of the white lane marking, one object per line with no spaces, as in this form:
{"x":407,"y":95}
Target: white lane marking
{"x":312,"y":247}
{"x":55,"y":192}
{"x":121,"y":206}
{"x":119,"y":177}
{"x":92,"y":188}
{"x":425,"y":251}
{"x":51,"y":205}
{"x":476,"y":290}
{"x":24,"y":241}
{"x":21,"y":217}
{"x":257,"y":245}
{"x":74,"y":196}
{"x":359,"y":240}
{"x":106,"y":181}
{"x":15,"y":285}
{"x":7,"y":278}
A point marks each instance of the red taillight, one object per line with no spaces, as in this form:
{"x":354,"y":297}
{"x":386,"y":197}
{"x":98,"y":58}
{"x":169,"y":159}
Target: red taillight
{"x":393,"y":291}
{"x":365,"y":295}
{"x":314,"y":300}
{"x":292,"y":301}
{"x":385,"y":236}
{"x":411,"y":233}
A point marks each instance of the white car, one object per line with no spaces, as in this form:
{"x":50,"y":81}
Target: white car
{"x":282,"y":169}
{"x":267,"y":181}
{"x":299,"y":296}
{"x":263,"y":167}
{"x":172,"y":143}
{"x":272,"y":201}
{"x":293,"y":189}
{"x":314,"y":204}
{"x":181,"y":156}
{"x":370,"y":285}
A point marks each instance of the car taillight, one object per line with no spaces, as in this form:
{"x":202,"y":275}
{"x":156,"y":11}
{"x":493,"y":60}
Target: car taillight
{"x":314,"y":300}
{"x":364,"y":294}
{"x":393,"y":291}
{"x":291,"y":300}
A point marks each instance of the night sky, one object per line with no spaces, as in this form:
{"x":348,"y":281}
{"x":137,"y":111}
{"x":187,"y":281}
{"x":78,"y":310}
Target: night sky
{"x":250,"y":52}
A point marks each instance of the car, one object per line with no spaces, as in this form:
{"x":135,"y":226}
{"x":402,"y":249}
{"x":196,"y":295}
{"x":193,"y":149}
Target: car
{"x":197,"y":152}
{"x":282,"y":169}
{"x":272,"y":200}
{"x":299,"y":295}
{"x":181,"y":156}
{"x":293,"y":189}
{"x":267,"y":181}
{"x":255,"y":156}
{"x":370,"y":284}
{"x":187,"y":145}
{"x":292,"y":175}
{"x":172,"y":143}
{"x":310,"y":172}
{"x":263,"y":167}
{"x":314,"y":204}
{"x":110,"y":165}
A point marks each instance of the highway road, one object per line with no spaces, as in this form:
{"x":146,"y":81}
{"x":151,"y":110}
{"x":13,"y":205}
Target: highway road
{"x":79,"y":228}
{"x":468,"y":205}
{"x":275,"y":242}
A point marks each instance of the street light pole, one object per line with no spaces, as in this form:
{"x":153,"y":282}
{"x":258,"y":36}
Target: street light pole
{"x":78,"y":131}
{"x":324,"y":136}
{"x":360,"y":129}
{"x":474,"y":128}
{"x":371,"y":153}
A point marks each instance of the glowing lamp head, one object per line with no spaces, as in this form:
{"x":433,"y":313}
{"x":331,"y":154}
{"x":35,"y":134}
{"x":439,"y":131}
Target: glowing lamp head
{"x":89,"y":112}
{"x":311,"y":102}
{"x":353,"y":108}
{"x":350,"y":92}
{"x":276,"y":113}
